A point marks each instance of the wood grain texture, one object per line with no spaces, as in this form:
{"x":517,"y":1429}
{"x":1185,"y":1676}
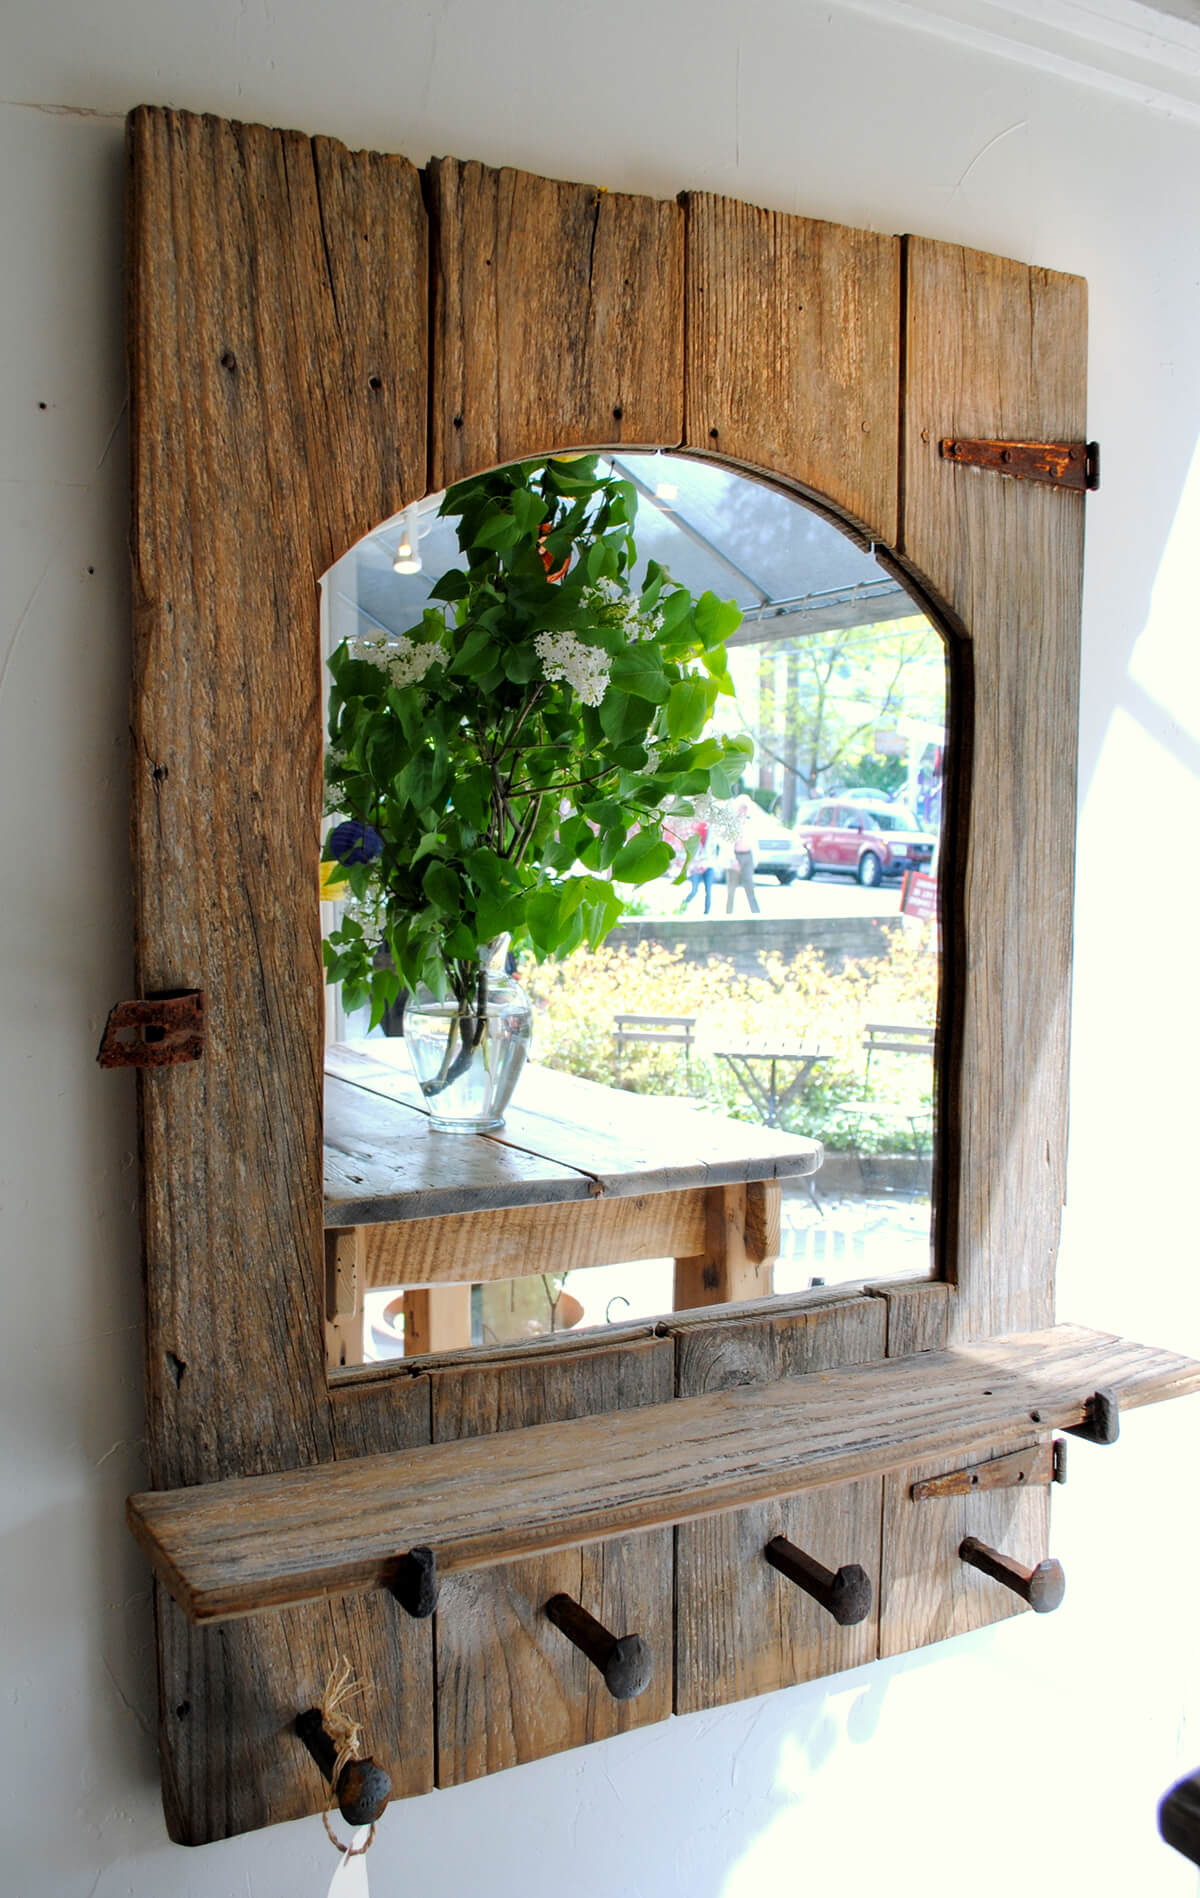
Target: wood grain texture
{"x":918,"y":1317}
{"x":999,"y":350}
{"x":510,"y":1687}
{"x":725,"y":1270}
{"x":563,"y":1139}
{"x":228,"y":1695}
{"x":793,"y":353}
{"x":740,"y":1628}
{"x":557,"y":318}
{"x":927,"y":1592}
{"x":262,"y":451}
{"x":563,"y":1238}
{"x":277,"y":369}
{"x":244,"y":1545}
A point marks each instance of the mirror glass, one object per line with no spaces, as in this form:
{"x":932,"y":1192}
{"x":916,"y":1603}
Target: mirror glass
{"x":756,"y":961}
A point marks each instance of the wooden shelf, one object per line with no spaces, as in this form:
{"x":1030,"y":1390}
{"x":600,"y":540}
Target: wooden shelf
{"x":237,"y":1547}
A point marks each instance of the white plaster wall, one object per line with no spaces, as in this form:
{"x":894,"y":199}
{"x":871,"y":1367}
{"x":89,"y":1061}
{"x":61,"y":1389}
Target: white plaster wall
{"x":1033,"y":1752}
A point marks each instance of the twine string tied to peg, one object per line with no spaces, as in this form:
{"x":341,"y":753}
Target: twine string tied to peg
{"x":347,"y":1736}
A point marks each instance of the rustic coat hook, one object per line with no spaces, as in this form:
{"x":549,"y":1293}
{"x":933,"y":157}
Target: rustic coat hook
{"x":415,"y":1583}
{"x":1179,"y":1817}
{"x":624,"y":1660}
{"x":845,"y":1594}
{"x":1042,"y":1587}
{"x":363,"y":1789}
{"x":1102,"y":1419}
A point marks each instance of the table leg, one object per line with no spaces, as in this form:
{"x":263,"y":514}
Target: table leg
{"x":741,"y":1246}
{"x":436,"y":1318}
{"x":344,"y":1281}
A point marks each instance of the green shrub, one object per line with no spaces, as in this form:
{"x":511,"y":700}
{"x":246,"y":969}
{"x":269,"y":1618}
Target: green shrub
{"x":798,"y":1001}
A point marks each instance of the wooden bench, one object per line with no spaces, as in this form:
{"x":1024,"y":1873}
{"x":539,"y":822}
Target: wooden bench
{"x":658,"y":1031}
{"x":896,"y":1038}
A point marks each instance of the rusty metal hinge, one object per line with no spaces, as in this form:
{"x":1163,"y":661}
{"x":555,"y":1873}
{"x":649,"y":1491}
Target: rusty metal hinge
{"x":1024,"y":1469}
{"x":160,"y":1031}
{"x":1062,"y":464}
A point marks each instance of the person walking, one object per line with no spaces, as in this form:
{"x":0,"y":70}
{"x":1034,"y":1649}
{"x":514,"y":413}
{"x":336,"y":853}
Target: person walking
{"x":701,"y":869}
{"x":740,"y":873}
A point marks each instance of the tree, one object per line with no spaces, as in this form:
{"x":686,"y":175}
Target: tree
{"x":820,"y":699}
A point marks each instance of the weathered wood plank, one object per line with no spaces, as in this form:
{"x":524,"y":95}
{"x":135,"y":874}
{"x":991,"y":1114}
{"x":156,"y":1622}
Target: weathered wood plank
{"x":793,"y":353}
{"x":510,"y":1687}
{"x":437,"y":1319}
{"x":999,"y":350}
{"x":770,"y":1342}
{"x":277,"y":300}
{"x":927,"y":1592}
{"x":236,"y":1547}
{"x":725,"y":1270}
{"x":918,"y":1317}
{"x":740,"y":1628}
{"x":563,"y":1139}
{"x":559,"y":1238}
{"x":486,"y":1398}
{"x":557,"y":318}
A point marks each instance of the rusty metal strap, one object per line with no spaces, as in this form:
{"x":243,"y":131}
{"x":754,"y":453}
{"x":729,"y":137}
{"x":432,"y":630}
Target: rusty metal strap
{"x":159,"y":1031}
{"x":1062,"y":464}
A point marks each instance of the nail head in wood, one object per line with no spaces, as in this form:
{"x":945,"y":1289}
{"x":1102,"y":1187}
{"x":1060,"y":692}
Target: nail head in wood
{"x":844,"y":1593}
{"x":363,"y":1789}
{"x":1102,"y":1419}
{"x":624,"y":1660}
{"x":1042,"y":1587}
{"x":415,"y":1583}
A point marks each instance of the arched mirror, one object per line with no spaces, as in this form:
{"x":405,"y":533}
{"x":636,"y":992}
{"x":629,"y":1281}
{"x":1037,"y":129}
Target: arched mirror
{"x":688,"y":741}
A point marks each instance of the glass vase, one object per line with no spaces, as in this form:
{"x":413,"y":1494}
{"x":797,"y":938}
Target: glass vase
{"x":466,"y":1055}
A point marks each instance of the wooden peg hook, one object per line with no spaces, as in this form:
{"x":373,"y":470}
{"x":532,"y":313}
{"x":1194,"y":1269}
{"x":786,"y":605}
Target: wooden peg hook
{"x":1042,"y":1587}
{"x":623,"y":1660}
{"x":415,"y":1582}
{"x":363,"y":1789}
{"x":844,"y":1593}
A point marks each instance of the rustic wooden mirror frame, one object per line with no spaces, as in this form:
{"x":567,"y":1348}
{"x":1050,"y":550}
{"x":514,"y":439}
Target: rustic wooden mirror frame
{"x":318,"y":337}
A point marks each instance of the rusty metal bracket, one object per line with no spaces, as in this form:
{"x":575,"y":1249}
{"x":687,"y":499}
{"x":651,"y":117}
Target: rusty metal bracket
{"x":159,"y":1032}
{"x":1023,"y":1469}
{"x":1062,"y":464}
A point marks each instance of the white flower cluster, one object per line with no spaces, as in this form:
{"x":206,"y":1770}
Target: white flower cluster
{"x":402,"y":659}
{"x":722,"y":819}
{"x":584,"y":668}
{"x":634,"y":623}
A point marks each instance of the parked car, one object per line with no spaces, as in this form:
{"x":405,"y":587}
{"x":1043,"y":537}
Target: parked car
{"x":777,"y":851}
{"x":870,"y":840}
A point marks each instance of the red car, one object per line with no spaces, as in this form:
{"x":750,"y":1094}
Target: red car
{"x":869,"y":841}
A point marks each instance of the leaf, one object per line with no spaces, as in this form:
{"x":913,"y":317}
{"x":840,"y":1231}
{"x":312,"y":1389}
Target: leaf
{"x":442,"y":888}
{"x":716,"y":619}
{"x":643,"y":858}
{"x":687,"y":708}
{"x":453,"y":585}
{"x":639,"y":669}
{"x":497,"y":532}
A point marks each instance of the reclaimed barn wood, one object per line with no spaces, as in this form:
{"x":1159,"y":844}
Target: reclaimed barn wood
{"x":999,"y":349}
{"x":918,"y":1316}
{"x":740,"y":1628}
{"x":611,"y":1142}
{"x":794,"y":353}
{"x":510,"y":1687}
{"x":560,"y":1238}
{"x":279,"y":291}
{"x":557,"y":318}
{"x":241,"y":1546}
{"x":926,"y":1592}
{"x":277,"y":369}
